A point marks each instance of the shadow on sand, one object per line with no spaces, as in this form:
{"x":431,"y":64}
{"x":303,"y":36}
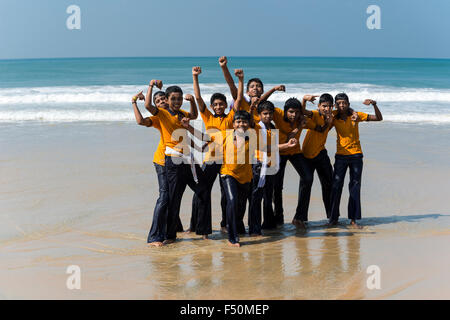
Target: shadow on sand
{"x":321,"y":229}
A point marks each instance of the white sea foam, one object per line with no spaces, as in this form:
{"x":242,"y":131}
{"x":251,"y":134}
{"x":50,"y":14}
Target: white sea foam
{"x":127,"y":115}
{"x":112,"y":103}
{"x":122,"y":94}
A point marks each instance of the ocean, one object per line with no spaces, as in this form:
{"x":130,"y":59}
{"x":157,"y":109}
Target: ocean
{"x":99,"y":89}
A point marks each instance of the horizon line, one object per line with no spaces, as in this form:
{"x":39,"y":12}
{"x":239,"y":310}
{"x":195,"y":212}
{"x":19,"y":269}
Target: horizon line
{"x":231,"y":56}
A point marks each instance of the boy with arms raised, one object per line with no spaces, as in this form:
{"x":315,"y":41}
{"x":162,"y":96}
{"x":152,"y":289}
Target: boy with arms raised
{"x":255,"y":87}
{"x":348,"y":155}
{"x":179,"y":172}
{"x":156,"y":234}
{"x":216,"y":125}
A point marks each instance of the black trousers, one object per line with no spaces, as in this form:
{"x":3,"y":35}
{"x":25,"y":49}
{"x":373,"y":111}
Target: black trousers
{"x":322,"y":164}
{"x":201,"y":219}
{"x":157,"y":230}
{"x":178,"y":177}
{"x":257,"y":195}
{"x":299,"y":163}
{"x":237,"y":195}
{"x":355,"y":164}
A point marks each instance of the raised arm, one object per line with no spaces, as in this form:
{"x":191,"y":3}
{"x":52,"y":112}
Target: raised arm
{"x":137,"y":113}
{"x":201,"y":104}
{"x":267,"y":94}
{"x":148,"y":98}
{"x":228,"y":78}
{"x":253,"y":106}
{"x":311,"y":99}
{"x":193,"y":113}
{"x":240,"y":93}
{"x":378,"y":116}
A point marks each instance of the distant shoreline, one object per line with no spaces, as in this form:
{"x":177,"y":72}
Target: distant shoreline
{"x":202,"y":57}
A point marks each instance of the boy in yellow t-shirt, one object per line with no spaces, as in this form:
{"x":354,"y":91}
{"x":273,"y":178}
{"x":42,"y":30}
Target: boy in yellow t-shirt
{"x":236,"y":175}
{"x":265,"y":168}
{"x":348,"y":155}
{"x":180,"y":171}
{"x":216,"y":125}
{"x":156,"y":235}
{"x":290,"y":123}
{"x":318,"y":123}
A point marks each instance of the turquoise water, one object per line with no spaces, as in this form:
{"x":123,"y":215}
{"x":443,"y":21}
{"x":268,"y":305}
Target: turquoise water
{"x":99,"y":89}
{"x":421,"y":73}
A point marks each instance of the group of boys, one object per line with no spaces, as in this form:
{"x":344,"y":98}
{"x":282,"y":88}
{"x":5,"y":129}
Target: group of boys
{"x":248,"y":148}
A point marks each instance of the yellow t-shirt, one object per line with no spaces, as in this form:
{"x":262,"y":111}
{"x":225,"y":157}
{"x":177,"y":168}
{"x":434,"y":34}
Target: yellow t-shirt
{"x":158,"y":156}
{"x":242,"y":172}
{"x":314,"y":141}
{"x":170,"y":122}
{"x":245,"y":105}
{"x":284,"y":128}
{"x":347,"y":142}
{"x":221,"y":124}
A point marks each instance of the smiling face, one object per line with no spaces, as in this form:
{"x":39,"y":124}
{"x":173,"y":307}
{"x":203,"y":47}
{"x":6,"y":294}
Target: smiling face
{"x":219,"y":106}
{"x":325,"y":107}
{"x":161,"y":101}
{"x":342,"y":106}
{"x":240,"y":125}
{"x":266,"y":116}
{"x":175,"y":100}
{"x":292,"y":114}
{"x":255,"y":89}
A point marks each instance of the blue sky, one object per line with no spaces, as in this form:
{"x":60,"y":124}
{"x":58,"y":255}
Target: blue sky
{"x":118,"y":28}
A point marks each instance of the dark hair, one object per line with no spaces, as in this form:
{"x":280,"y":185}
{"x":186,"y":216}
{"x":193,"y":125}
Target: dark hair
{"x":241,"y":115}
{"x":257,"y":80}
{"x":292,"y":103}
{"x":158,"y":93}
{"x":326,"y":97}
{"x":265,"y":105}
{"x":173,"y":89}
{"x":218,"y":96}
{"x":341,"y":96}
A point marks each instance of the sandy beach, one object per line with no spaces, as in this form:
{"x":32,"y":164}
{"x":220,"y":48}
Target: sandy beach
{"x":83,"y":194}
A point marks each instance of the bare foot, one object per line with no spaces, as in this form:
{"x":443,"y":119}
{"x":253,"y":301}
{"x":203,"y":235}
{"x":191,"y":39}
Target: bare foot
{"x":205,"y":237}
{"x":188,"y":231}
{"x":223,"y":230}
{"x":155,"y":244}
{"x":354,"y":225}
{"x":236,"y":245}
{"x":169,"y":241}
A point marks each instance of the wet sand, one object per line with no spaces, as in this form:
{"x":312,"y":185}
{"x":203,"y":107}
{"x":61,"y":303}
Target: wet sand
{"x":83,"y":194}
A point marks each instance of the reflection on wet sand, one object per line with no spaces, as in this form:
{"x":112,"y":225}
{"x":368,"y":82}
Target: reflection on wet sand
{"x":282,"y":265}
